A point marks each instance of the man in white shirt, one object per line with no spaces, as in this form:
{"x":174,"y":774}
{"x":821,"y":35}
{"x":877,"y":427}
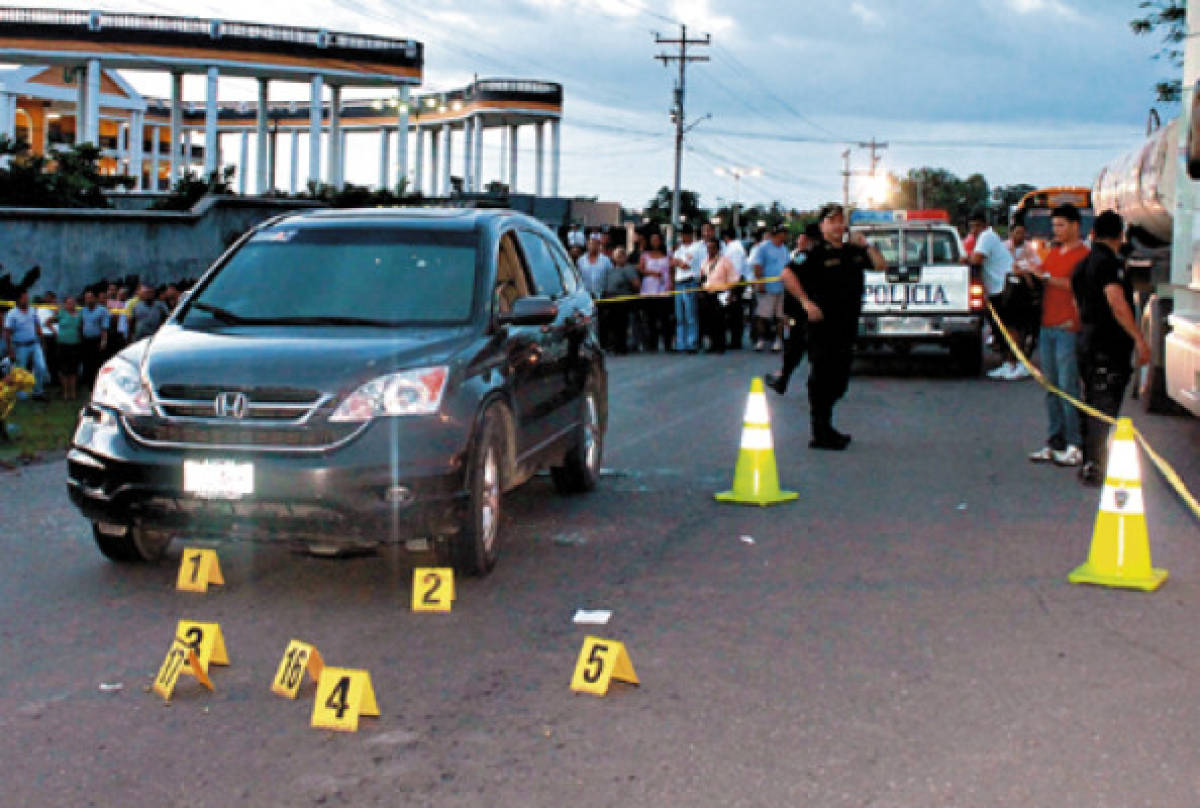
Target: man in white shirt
{"x":687,"y":261}
{"x":995,"y":262}
{"x":736,"y":253}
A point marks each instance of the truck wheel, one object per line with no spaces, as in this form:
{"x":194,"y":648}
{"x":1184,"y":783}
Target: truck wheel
{"x":130,"y":543}
{"x":580,"y":470}
{"x":1152,"y":389}
{"x":967,"y":355}
{"x":1152,"y":378}
{"x":476,"y":546}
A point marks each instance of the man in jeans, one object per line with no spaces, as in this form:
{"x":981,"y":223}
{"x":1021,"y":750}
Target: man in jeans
{"x":995,"y":262}
{"x":687,"y":260}
{"x":1108,"y":336}
{"x":1060,"y":324}
{"x":23,"y":342}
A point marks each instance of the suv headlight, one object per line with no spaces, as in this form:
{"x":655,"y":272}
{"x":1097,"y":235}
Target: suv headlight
{"x":410,"y":392}
{"x":119,"y":386}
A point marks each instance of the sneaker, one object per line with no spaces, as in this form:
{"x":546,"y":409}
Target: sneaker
{"x":1019,"y":372}
{"x":1043,"y":455}
{"x":760,"y":345}
{"x":777,"y":346}
{"x":776,"y":382}
{"x":1002,"y":373}
{"x":1070,"y":456}
{"x":1090,"y":474}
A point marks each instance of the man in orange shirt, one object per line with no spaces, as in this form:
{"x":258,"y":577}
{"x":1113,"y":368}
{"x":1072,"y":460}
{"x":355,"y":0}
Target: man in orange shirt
{"x":1060,"y":325}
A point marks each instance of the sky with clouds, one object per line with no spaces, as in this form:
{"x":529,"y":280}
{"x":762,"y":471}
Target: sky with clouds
{"x":1038,"y":91}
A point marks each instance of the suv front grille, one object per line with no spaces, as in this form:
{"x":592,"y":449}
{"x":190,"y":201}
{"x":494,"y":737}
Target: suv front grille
{"x":151,"y":430}
{"x":263,"y":404}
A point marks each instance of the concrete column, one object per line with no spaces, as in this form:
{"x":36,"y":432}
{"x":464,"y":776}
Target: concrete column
{"x":92,"y":112}
{"x":335,"y":136}
{"x":314,"y":129}
{"x":8,"y":115}
{"x":539,"y":156}
{"x":419,"y":160}
{"x":137,"y":136}
{"x":477,"y":169}
{"x":504,"y":154}
{"x":435,"y":172}
{"x":446,"y":159}
{"x":212,"y":144}
{"x":402,"y":138}
{"x":262,"y":183}
{"x":385,"y":157}
{"x":155,"y":147}
{"x":176,"y":121}
{"x":295,"y":173}
{"x":244,"y":162}
{"x":81,"y":105}
{"x":513,"y":142}
{"x":554,"y":157}
{"x":468,"y":155}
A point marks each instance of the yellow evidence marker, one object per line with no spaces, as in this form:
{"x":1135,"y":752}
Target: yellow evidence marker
{"x":206,"y":640}
{"x":432,"y":589}
{"x":297,"y":658}
{"x":181,"y":658}
{"x":197,"y":569}
{"x":601,"y":661}
{"x":343,"y":694}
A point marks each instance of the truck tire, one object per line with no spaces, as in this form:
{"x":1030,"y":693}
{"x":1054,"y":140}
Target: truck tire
{"x":967,"y":355}
{"x":130,"y":543}
{"x":580,"y":470}
{"x":1152,"y":378}
{"x":475,"y":548}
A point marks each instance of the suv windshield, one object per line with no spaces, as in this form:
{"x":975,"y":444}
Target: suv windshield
{"x":343,"y":276}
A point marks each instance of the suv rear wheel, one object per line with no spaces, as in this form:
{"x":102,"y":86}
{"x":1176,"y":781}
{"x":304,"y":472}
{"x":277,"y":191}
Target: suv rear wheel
{"x":126,"y":543}
{"x":967,"y":355}
{"x":474,"y":549}
{"x":580,"y":470}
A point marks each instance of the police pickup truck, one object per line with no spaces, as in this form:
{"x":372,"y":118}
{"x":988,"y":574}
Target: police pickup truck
{"x":928,"y":295}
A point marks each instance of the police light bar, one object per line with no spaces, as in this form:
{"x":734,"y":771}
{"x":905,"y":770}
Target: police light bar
{"x":894,"y":216}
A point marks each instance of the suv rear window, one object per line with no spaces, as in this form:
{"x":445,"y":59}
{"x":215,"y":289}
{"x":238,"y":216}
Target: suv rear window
{"x":343,"y":275}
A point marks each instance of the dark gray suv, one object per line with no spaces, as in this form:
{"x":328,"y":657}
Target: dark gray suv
{"x":347,"y":378}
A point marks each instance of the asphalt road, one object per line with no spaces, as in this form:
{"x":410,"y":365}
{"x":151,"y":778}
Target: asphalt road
{"x":902,"y":635}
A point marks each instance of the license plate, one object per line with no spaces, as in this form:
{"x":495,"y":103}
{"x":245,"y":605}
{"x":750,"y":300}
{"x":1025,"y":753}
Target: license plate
{"x":904,"y":325}
{"x":218,"y":479}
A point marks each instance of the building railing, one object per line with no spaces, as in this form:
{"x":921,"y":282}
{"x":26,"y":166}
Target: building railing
{"x":96,"y":21}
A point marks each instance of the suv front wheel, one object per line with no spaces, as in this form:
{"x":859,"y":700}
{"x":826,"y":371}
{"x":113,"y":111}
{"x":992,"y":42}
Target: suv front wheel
{"x":476,"y":546}
{"x":130,"y":542}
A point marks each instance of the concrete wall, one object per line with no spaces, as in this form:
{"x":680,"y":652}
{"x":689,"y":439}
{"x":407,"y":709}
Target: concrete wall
{"x":78,"y":247}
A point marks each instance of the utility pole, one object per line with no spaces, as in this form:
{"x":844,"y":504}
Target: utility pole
{"x":874,"y":146}
{"x":677,"y":108}
{"x":846,"y":180}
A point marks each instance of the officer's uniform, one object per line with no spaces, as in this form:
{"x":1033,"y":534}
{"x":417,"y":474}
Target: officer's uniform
{"x":796,"y":344}
{"x":832,"y":278}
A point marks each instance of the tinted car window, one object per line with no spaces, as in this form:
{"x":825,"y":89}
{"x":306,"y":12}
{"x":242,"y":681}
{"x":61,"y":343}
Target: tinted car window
{"x":391,"y":276}
{"x":570,"y":274}
{"x":541,"y":264}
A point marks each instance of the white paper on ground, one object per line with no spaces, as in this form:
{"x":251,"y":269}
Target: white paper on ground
{"x":592,"y":617}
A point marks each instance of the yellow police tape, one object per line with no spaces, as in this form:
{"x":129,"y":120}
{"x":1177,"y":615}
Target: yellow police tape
{"x":1164,"y":468}
{"x":673,"y":292}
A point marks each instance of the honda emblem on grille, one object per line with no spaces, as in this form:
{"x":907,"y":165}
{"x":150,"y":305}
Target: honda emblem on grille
{"x":231,"y":405}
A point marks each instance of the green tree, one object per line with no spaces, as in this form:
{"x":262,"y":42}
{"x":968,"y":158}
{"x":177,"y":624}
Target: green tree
{"x":67,"y":178}
{"x":1170,"y":18}
{"x":658,"y":209}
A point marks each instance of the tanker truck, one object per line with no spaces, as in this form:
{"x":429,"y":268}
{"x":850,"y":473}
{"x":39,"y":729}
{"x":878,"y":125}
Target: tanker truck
{"x":1156,"y":189}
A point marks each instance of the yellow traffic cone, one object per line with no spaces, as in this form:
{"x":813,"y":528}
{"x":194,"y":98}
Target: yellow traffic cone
{"x":756,"y":480}
{"x":1120,"y":554}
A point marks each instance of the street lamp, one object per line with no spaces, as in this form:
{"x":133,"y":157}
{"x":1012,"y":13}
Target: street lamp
{"x":737,"y":172}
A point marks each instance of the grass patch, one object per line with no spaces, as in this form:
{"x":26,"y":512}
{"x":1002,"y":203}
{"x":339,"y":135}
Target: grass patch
{"x":39,"y":427}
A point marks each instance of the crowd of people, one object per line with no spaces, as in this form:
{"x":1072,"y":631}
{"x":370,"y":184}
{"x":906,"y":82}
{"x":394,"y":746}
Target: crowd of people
{"x":66,"y":342}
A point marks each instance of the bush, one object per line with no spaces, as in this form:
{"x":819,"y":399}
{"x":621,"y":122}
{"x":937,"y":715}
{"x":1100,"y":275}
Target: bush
{"x":66,"y":178}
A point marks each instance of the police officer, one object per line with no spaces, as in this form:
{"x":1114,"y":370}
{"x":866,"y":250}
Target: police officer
{"x":1108,"y":337}
{"x":797,"y":321}
{"x":829,"y":286}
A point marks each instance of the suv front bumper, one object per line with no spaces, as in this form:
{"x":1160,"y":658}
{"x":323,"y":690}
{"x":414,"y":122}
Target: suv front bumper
{"x":387,"y":484}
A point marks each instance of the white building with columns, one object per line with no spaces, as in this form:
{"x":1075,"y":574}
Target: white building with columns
{"x":68,"y":89}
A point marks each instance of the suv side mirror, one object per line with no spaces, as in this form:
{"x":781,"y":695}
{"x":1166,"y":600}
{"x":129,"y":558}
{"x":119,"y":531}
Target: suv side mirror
{"x":538,"y":310}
